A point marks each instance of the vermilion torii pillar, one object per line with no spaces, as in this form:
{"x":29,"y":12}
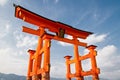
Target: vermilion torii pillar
{"x":39,"y":60}
{"x":79,"y":72}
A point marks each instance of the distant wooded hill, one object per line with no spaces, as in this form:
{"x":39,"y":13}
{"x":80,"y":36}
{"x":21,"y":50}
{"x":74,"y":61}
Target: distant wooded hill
{"x":18,"y":77}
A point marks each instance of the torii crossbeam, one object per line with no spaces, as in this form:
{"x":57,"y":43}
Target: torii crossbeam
{"x":39,"y":71}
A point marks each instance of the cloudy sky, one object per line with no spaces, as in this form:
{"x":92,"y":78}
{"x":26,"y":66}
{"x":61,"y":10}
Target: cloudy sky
{"x":102,"y":17}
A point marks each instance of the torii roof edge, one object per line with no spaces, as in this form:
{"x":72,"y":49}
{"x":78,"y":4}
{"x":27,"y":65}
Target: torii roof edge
{"x":53,"y":26}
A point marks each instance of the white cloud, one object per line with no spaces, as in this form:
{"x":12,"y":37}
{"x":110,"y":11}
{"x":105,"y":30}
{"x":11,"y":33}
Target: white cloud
{"x":93,"y":39}
{"x":58,"y":70}
{"x":86,"y":64}
{"x":7,"y":26}
{"x":108,"y":61}
{"x":63,"y":43}
{"x":107,"y":51}
{"x":25,"y":41}
{"x":106,"y":54}
{"x":3,"y":2}
{"x":10,"y":64}
{"x":4,"y":25}
{"x":4,"y":29}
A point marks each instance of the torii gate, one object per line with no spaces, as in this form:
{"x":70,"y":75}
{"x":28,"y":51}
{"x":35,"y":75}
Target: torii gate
{"x":39,"y":71}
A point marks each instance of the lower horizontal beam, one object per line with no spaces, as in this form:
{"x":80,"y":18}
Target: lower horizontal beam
{"x":85,"y":57}
{"x":65,"y":40}
{"x":86,"y":73}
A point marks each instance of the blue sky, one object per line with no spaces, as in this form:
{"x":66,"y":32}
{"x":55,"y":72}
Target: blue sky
{"x":102,"y":17}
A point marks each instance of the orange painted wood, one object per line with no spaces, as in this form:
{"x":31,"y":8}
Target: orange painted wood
{"x":39,"y":61}
{"x":43,"y":22}
{"x":30,"y":31}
